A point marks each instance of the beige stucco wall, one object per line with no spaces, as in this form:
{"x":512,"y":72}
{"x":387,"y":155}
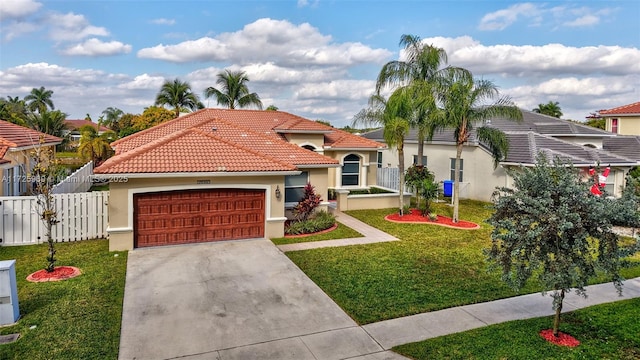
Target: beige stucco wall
{"x":368,"y":168}
{"x":627,"y":125}
{"x":315,"y":140}
{"x":373,"y":201}
{"x":19,"y":159}
{"x":121,"y":201}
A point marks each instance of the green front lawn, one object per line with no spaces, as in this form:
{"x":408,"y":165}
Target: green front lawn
{"x":607,"y":331}
{"x":432,"y":267}
{"x":77,"y":318}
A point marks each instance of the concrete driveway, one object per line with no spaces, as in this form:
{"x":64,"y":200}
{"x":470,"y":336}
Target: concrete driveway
{"x":232,"y":300}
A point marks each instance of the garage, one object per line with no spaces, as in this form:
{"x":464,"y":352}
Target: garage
{"x":194,"y":216}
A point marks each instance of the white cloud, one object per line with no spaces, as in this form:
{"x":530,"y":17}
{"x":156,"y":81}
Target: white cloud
{"x":17,"y":28}
{"x":529,"y":60}
{"x":268,"y":40}
{"x":95,"y":47}
{"x":501,"y":19}
{"x":163,"y":21}
{"x":18,"y":9}
{"x":540,"y":14}
{"x":336,"y":90}
{"x":72,"y":27}
{"x":144,"y":81}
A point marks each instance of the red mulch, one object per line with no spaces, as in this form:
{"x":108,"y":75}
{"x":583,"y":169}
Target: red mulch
{"x":562,"y":339}
{"x":59,"y":273}
{"x":416,"y":218}
{"x":335,"y":226}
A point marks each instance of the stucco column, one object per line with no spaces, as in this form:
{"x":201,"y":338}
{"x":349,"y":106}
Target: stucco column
{"x":364,"y":171}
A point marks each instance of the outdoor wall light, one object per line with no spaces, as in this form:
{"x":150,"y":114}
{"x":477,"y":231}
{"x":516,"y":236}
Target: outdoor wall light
{"x":278,"y":194}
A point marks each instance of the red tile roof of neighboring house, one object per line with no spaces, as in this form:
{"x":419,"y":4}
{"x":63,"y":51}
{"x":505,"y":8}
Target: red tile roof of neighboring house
{"x":77,"y":124}
{"x":623,"y":110}
{"x":250,"y":136}
{"x":3,"y":151}
{"x":17,"y":136}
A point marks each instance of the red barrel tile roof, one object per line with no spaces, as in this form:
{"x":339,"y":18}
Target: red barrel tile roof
{"x":17,"y":136}
{"x":623,"y":110}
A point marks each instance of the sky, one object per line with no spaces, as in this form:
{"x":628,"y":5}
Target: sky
{"x":315,"y":58}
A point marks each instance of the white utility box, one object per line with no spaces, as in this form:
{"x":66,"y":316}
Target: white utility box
{"x":9,"y":312}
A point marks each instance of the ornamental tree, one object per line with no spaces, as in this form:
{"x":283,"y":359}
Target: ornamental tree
{"x":45,"y":174}
{"x":550,"y":225}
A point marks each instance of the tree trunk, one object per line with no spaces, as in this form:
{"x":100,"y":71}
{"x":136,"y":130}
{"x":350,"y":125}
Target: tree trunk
{"x":401,"y":175}
{"x":420,"y":148}
{"x":558,"y":305}
{"x":456,"y":183}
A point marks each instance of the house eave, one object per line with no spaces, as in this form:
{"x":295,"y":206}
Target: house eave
{"x":317,"y":166}
{"x":121,"y":177}
{"x":354,"y":148}
{"x":29,"y":147}
{"x":504,"y":163}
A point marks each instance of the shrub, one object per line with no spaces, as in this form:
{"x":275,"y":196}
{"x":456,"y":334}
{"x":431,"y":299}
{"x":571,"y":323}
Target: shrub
{"x":321,"y":220}
{"x":309,"y":202}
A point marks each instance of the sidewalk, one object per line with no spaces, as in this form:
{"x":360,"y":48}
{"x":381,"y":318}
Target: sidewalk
{"x":390,"y":333}
{"x":370,"y":235}
{"x":424,"y":326}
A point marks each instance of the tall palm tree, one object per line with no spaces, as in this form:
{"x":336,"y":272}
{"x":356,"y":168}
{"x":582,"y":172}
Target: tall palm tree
{"x":48,"y":122}
{"x":551,"y":108}
{"x":235,"y":92}
{"x":178,"y":95}
{"x":13,"y":109}
{"x":39,"y":100}
{"x":394,"y":115}
{"x":420,"y":69}
{"x":464,"y":101}
{"x":94,"y":146}
{"x":111,"y":117}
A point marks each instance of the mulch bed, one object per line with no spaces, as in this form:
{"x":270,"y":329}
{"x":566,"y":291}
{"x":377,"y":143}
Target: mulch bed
{"x":335,"y":226}
{"x":59,"y":273}
{"x":562,"y":339}
{"x":416,"y":218}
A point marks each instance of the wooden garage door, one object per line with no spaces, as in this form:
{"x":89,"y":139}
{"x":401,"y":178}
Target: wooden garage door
{"x":192,"y":216}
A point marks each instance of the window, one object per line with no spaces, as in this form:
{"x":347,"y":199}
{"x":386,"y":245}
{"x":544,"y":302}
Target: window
{"x":294,"y":187}
{"x":379,"y":159}
{"x":614,"y":126}
{"x":453,"y":167}
{"x":351,"y":170}
{"x":309,"y":147}
{"x":415,"y":160}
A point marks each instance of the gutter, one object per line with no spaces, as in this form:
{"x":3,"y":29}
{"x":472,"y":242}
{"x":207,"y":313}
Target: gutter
{"x":123,"y":176}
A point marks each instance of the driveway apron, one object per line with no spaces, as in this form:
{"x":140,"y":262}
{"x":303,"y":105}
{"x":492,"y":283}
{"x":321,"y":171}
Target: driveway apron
{"x":231,"y":300}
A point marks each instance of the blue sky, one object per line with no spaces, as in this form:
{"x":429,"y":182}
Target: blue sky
{"x":317,"y":59}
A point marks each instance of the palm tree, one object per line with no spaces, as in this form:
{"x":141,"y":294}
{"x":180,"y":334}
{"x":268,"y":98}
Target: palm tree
{"x":421,"y":69}
{"x":94,"y":146}
{"x":395,"y":116}
{"x":178,"y":96}
{"x":39,"y":100}
{"x":551,"y":108}
{"x":235,"y":92}
{"x":464,"y":103}
{"x":13,"y":109}
{"x":48,"y":122}
{"x":111,"y":117}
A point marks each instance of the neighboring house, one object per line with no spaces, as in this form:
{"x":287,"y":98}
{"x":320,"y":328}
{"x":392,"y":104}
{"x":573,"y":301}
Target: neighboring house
{"x":584,"y":146}
{"x":623,"y":120}
{"x":219,"y":174}
{"x":74,"y":126}
{"x":17,"y":144}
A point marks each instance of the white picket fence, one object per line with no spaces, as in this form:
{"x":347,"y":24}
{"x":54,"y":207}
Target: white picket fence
{"x":389,"y":178}
{"x":81,"y":216}
{"x":79,"y":181}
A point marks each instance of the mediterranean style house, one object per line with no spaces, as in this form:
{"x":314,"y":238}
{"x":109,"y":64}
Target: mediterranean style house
{"x":17,"y":144}
{"x":220,"y":174}
{"x":582,"y":145}
{"x":623,"y":120}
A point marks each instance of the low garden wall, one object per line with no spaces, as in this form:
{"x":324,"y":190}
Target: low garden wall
{"x":368,"y":201}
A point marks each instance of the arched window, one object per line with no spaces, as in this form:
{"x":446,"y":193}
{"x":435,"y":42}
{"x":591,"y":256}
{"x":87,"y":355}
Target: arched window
{"x":309,"y":147}
{"x":351,"y":170}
